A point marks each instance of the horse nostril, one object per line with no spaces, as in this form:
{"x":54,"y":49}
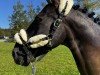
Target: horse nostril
{"x":21,"y":61}
{"x":25,"y":61}
{"x":15,"y":56}
{"x":20,"y":58}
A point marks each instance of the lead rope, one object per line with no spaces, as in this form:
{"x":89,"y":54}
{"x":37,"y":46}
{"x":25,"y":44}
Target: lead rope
{"x":32,"y":62}
{"x":33,"y":68}
{"x":32,"y":59}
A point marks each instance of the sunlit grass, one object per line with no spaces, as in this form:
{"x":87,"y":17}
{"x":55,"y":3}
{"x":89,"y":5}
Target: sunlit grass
{"x":59,"y":61}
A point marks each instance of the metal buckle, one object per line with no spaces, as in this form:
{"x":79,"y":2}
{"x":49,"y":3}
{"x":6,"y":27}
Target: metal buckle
{"x":57,"y":22}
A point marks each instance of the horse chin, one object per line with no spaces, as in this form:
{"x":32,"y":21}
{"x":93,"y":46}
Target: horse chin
{"x":21,"y":60}
{"x":20,"y":57}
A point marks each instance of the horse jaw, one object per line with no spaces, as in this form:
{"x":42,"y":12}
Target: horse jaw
{"x":63,"y":4}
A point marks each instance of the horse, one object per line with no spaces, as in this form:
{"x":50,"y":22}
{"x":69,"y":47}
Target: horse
{"x":75,"y":30}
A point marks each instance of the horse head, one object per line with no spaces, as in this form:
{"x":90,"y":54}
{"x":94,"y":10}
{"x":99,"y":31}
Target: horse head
{"x":46,"y":32}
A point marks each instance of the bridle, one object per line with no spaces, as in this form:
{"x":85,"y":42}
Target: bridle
{"x":56,"y":25}
{"x":52,"y":30}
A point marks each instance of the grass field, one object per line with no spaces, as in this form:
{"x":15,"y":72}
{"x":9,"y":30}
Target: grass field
{"x":57,"y":62}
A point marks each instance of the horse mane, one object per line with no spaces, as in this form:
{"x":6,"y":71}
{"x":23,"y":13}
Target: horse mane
{"x":87,"y":13}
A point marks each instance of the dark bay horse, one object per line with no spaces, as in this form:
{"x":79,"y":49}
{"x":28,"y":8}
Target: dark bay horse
{"x":76,"y":31}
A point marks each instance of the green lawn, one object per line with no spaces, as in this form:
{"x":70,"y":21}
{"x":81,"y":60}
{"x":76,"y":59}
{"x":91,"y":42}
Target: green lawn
{"x":57,"y":62}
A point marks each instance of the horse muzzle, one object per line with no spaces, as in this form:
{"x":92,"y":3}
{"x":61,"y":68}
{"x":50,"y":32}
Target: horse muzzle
{"x":20,"y":57}
{"x":25,"y":49}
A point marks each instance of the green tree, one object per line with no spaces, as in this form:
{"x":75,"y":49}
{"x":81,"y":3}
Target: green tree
{"x":31,"y":12}
{"x":38,"y":9}
{"x":19,"y":18}
{"x":43,"y":4}
{"x":1,"y":32}
{"x":90,"y":4}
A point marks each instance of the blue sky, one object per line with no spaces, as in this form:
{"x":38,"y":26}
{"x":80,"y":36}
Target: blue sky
{"x":6,"y":9}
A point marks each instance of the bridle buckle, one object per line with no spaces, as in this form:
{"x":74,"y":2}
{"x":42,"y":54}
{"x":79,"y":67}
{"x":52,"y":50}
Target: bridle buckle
{"x":57,"y":22}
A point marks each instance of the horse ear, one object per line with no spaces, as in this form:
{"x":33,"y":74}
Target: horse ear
{"x":63,"y":4}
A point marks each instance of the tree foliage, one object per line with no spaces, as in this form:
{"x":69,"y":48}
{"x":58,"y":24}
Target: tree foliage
{"x":19,"y":18}
{"x":38,"y":9}
{"x":4,"y":32}
{"x":43,"y":4}
{"x":90,"y":4}
{"x":22,"y":18}
{"x":31,"y":12}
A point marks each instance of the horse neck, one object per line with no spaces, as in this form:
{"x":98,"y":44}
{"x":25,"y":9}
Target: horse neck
{"x":83,"y":28}
{"x":85,"y":41}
